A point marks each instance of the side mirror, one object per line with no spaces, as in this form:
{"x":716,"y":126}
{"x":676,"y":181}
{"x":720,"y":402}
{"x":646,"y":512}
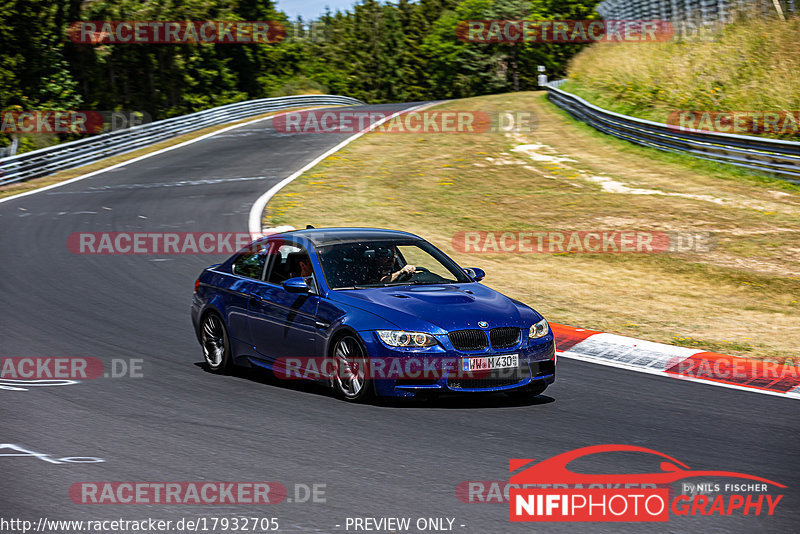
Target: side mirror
{"x":475,"y":273}
{"x":295,"y":285}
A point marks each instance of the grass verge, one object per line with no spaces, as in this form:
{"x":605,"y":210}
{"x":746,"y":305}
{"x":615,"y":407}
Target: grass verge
{"x":751,"y":65}
{"x":739,"y":298}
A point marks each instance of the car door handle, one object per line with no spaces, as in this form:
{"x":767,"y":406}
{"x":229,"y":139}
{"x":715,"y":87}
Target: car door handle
{"x":322,"y":324}
{"x":255,"y":301}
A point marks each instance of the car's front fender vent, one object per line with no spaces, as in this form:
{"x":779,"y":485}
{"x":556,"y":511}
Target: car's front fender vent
{"x":469,"y":339}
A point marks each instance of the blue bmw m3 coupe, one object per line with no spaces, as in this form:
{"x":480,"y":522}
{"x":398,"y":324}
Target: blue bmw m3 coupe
{"x":369,"y":312}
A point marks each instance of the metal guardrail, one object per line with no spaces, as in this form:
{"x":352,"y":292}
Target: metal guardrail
{"x":88,"y":150}
{"x":773,"y":156}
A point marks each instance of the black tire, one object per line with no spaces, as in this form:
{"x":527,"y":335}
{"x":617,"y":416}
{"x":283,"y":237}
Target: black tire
{"x":350,"y":380}
{"x":216,"y":344}
{"x":527,"y":392}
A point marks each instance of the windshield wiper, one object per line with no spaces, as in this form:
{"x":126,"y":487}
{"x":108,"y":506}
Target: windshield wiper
{"x":384,"y":284}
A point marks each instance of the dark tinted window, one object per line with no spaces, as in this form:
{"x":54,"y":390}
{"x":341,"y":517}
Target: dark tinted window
{"x":290,"y":260}
{"x":372,"y":263}
{"x":251,"y":264}
{"x":285,"y":263}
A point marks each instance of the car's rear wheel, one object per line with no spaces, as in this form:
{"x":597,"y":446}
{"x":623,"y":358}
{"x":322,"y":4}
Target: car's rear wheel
{"x":215,"y":343}
{"x":350,"y":379}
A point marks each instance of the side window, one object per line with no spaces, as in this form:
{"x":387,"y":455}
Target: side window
{"x":284,"y":263}
{"x":291,"y":261}
{"x":251,"y":264}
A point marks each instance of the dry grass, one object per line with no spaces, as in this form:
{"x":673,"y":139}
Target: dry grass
{"x":753,"y":65}
{"x":742,"y":298}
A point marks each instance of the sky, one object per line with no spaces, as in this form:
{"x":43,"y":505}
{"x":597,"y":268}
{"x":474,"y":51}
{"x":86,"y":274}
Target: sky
{"x":311,"y":9}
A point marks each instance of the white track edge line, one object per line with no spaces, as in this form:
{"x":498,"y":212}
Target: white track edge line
{"x":629,"y":367}
{"x":257,"y":211}
{"x":144,"y":156}
{"x":255,"y":227}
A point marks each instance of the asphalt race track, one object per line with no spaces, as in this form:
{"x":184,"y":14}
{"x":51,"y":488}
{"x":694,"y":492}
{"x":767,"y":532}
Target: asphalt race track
{"x":178,"y":422}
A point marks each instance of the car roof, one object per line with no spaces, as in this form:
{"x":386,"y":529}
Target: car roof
{"x":328,"y":236}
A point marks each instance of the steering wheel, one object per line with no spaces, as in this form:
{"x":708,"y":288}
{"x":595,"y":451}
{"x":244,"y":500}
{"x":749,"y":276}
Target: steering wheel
{"x":405,"y":276}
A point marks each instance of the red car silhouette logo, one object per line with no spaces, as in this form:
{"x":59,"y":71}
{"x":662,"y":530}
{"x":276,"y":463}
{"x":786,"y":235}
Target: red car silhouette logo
{"x":554,"y":470}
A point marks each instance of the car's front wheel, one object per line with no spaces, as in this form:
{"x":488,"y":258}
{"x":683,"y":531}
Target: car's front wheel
{"x":350,"y":379}
{"x":215,"y":343}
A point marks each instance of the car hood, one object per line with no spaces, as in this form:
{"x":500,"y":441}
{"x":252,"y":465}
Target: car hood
{"x":445,"y":307}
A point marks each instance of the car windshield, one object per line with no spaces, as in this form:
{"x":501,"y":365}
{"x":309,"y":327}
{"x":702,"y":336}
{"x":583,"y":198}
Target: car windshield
{"x":383,"y":263}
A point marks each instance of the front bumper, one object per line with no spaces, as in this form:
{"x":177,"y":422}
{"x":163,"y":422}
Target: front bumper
{"x":402,"y":372}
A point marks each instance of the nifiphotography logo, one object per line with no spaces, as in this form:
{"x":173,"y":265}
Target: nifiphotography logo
{"x":549,"y":491}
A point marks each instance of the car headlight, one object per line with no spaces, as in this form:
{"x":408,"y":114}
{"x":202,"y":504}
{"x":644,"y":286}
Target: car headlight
{"x":401,"y":338}
{"x":539,"y":329}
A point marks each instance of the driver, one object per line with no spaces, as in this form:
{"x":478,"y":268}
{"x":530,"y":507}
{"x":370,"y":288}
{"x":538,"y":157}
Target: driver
{"x":386,"y":260}
{"x":306,"y":271}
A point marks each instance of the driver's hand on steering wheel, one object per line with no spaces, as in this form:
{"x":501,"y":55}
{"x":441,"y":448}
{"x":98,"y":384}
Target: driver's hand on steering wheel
{"x":403,"y":274}
{"x":406,"y":272}
{"x":408,"y":269}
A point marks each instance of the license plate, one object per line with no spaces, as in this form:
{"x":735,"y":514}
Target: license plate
{"x":488,"y":363}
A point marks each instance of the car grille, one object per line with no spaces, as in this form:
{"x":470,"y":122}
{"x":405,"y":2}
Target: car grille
{"x":468,"y":339}
{"x":492,"y":379}
{"x":504,"y":337}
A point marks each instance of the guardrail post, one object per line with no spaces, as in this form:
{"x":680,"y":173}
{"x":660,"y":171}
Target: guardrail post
{"x":542,"y":79}
{"x":14,"y":145}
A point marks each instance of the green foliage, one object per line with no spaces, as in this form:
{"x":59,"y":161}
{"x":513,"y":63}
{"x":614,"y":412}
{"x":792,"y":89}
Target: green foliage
{"x":375,"y":51}
{"x":749,"y":65}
